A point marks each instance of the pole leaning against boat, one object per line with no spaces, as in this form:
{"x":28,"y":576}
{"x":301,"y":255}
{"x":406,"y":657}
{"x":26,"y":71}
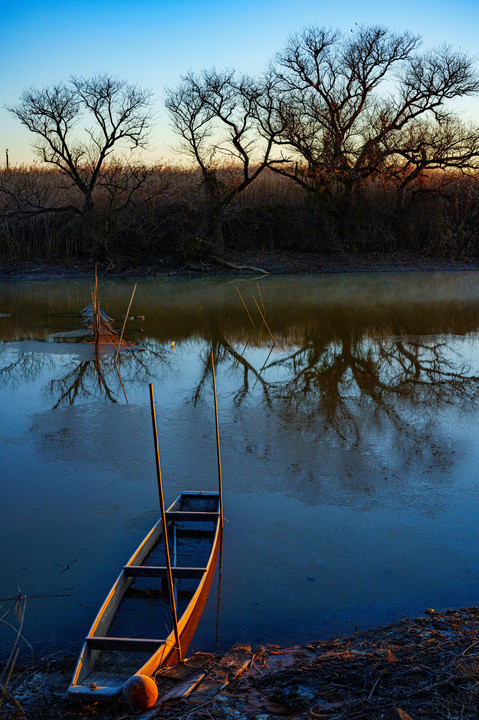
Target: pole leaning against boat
{"x":163,"y":523}
{"x":218,"y":450}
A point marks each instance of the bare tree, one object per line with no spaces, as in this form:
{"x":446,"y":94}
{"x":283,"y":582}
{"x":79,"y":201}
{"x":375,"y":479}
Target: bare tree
{"x":424,"y":147}
{"x":77,"y":125}
{"x":215,"y":115}
{"x":355,"y":106}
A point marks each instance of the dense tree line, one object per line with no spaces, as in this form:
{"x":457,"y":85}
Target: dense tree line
{"x":363,"y":125}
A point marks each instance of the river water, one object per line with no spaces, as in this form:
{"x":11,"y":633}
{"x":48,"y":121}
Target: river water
{"x":349,"y":421}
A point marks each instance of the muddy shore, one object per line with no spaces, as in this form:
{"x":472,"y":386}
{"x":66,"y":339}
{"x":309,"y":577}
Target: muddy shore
{"x":425,"y":668}
{"x":256,"y":263}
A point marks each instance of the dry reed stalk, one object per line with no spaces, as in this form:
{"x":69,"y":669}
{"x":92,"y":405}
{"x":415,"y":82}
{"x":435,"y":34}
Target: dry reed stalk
{"x":264,"y":320}
{"x":8,"y":678}
{"x":263,"y":367}
{"x":19,"y":606}
{"x":220,"y":586}
{"x":247,"y":342}
{"x":121,"y":382}
{"x":260,"y":297}
{"x":244,"y":304}
{"x":96,"y":317}
{"x":124,"y":321}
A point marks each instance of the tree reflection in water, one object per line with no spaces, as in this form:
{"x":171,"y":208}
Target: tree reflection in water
{"x":351,"y":388}
{"x":223,"y":353}
{"x":89,"y":378}
{"x":95,"y":374}
{"x":23,"y":366}
{"x":330,"y":370}
{"x":94,"y":378}
{"x":335,"y":377}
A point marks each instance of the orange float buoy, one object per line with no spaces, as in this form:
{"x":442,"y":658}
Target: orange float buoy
{"x":140,"y":692}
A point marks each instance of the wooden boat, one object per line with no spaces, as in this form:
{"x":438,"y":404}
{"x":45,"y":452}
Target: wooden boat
{"x":128,"y":635}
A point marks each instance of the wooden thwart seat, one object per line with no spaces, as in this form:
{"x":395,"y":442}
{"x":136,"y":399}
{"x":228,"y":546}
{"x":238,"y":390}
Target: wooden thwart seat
{"x":119,"y":643}
{"x":161,"y":571}
{"x":191,"y":515}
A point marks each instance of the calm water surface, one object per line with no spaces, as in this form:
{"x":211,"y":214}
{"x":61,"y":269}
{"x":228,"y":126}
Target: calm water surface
{"x":350,"y":448}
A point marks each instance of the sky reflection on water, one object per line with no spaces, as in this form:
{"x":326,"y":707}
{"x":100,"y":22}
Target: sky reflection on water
{"x":349,"y":452}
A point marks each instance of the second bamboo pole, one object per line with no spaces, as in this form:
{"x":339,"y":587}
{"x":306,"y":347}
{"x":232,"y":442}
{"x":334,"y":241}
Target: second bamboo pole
{"x":218,"y":450}
{"x":163,"y":522}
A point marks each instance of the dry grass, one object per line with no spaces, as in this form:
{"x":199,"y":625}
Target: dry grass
{"x":428,"y":667}
{"x":8,"y":703}
{"x":164,"y":217}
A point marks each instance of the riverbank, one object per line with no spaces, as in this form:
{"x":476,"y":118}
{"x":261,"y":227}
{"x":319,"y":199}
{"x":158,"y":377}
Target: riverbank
{"x":252,"y":263}
{"x":426,"y":668}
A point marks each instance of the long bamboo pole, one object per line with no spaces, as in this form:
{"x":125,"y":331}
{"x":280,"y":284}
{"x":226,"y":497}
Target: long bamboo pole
{"x":220,"y":583}
{"x":163,"y":523}
{"x":218,"y":450}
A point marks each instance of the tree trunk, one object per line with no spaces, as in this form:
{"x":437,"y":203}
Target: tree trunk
{"x":88,"y":205}
{"x":96,"y":229}
{"x":212,"y":231}
{"x":401,"y":202}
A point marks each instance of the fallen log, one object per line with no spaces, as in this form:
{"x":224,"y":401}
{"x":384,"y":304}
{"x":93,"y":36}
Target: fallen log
{"x":238,"y":267}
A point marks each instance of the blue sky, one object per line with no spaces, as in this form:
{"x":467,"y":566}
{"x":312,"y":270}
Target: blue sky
{"x":154,"y":43}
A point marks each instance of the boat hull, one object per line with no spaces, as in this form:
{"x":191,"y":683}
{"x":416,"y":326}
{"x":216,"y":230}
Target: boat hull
{"x":106,"y":661}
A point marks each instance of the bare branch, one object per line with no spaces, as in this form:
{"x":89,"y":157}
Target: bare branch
{"x":334,"y":108}
{"x":219,"y":118}
{"x":77,"y":125}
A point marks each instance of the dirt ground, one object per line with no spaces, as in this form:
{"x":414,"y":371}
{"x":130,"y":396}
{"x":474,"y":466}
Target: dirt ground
{"x":259,"y":262}
{"x":424,"y":669}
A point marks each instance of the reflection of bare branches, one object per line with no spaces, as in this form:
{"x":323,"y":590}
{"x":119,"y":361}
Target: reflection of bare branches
{"x":76,"y":383}
{"x":350,"y":384}
{"x":142,"y":360}
{"x":90,"y":378}
{"x":424,"y":371}
{"x":204,"y":376}
{"x":334,"y":385}
{"x":26,"y":366}
{"x":86,"y":377}
{"x":247,"y":369}
{"x":223,"y":351}
{"x":378,"y":368}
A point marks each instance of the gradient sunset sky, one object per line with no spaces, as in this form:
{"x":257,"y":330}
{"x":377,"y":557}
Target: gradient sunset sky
{"x":154,"y":43}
